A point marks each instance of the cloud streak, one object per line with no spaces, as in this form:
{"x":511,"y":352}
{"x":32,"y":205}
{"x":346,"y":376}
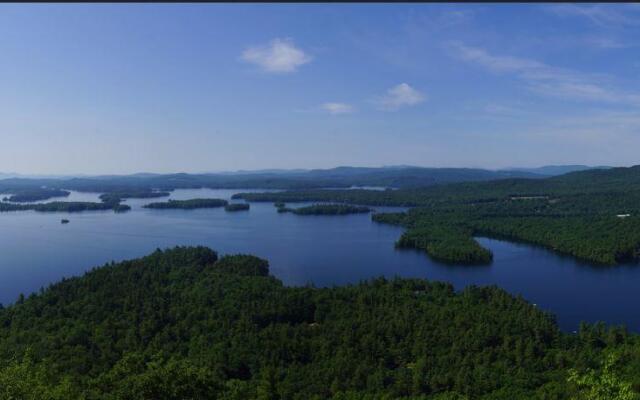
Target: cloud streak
{"x":606,"y":43}
{"x":337,"y":108}
{"x":599,"y":14}
{"x":545,"y":79}
{"x":278,"y":56}
{"x":399,"y":96}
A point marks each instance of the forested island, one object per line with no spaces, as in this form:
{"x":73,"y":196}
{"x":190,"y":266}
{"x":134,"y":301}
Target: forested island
{"x":186,"y":324}
{"x":593,"y":215}
{"x":325,"y":209}
{"x":109,"y":201}
{"x":237,"y":207}
{"x":188,"y":204}
{"x":118,"y":196}
{"x":65,"y":206}
{"x":37,"y":194}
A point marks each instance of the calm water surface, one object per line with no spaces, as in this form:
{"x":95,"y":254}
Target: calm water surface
{"x":36,"y":249}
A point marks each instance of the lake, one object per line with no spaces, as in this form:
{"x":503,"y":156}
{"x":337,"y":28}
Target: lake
{"x":36,"y":249}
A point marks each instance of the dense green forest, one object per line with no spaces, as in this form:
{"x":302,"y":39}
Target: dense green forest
{"x":30,"y":195}
{"x":186,"y":324}
{"x":593,"y":215}
{"x":188,"y":204}
{"x":439,"y":237}
{"x":325,"y":209}
{"x":237,"y":207}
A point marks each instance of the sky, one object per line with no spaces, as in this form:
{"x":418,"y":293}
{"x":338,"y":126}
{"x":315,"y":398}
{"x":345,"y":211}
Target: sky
{"x":115,"y":89}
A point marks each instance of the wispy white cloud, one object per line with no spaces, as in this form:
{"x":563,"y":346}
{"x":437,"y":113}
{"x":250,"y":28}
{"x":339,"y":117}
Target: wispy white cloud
{"x":501,"y":110}
{"x":337,"y":108}
{"x":584,"y":91}
{"x":545,"y":79}
{"x":492,"y":62}
{"x":399,"y":96}
{"x":280,"y":55}
{"x":608,"y":15}
{"x":442,"y":20}
{"x":616,"y":131}
{"x":606,"y":43}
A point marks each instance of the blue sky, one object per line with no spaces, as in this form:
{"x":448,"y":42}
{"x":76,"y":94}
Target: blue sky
{"x":209,"y":87}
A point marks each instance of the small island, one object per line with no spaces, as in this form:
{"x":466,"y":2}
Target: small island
{"x":64,"y":221}
{"x":237,"y":207}
{"x":118,"y":196}
{"x":188,"y":204}
{"x":326,"y":209}
{"x":31,"y":195}
{"x":120,"y":208}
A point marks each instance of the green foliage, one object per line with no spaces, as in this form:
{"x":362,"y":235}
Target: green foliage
{"x":25,"y":380}
{"x":241,"y":264}
{"x":604,"y":384}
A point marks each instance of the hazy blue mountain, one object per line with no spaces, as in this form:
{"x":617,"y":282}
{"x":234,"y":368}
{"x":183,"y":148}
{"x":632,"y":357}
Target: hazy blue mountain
{"x":553,"y":170}
{"x":344,"y":176}
{"x":340,"y":177}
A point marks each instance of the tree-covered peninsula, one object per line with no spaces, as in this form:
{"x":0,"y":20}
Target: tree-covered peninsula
{"x":188,"y":204}
{"x":187,"y":324}
{"x":325,"y":209}
{"x":237,"y":207}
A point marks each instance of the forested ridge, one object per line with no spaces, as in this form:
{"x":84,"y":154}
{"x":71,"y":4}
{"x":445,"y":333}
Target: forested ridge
{"x":186,"y":324}
{"x":593,"y":215}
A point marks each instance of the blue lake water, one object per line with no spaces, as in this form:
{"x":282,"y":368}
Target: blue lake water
{"x":36,"y":249}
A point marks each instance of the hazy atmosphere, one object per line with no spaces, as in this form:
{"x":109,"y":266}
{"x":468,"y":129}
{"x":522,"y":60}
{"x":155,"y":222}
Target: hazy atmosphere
{"x":195,"y":88}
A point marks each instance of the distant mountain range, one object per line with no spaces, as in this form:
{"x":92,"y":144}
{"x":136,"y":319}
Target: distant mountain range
{"x":553,"y":170}
{"x":546,"y":170}
{"x":339,"y":177}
